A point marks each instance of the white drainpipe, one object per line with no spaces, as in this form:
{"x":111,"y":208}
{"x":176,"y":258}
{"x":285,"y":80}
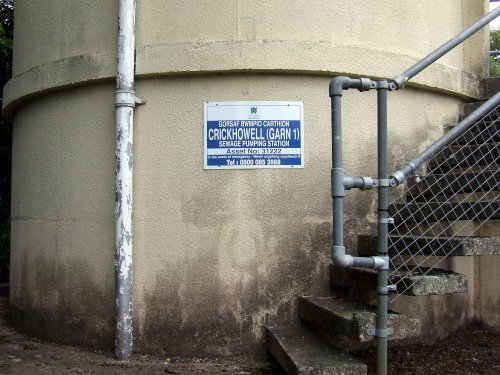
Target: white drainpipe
{"x":125,"y":101}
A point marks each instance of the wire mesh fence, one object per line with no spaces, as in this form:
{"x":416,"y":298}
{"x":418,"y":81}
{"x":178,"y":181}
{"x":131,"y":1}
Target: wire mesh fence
{"x":444,"y":208}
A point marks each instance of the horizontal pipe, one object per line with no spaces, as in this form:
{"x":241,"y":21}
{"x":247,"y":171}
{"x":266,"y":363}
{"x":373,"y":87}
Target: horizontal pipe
{"x":409,"y":168}
{"x":494,"y":53}
{"x":399,"y":81}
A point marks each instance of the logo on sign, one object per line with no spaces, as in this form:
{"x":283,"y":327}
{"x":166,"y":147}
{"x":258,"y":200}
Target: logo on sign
{"x":253,"y":110}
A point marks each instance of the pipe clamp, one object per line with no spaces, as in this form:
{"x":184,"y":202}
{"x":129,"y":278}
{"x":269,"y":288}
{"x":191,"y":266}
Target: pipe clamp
{"x":389,"y":220}
{"x":382,"y":183}
{"x":126,"y":98}
{"x":380,"y":332}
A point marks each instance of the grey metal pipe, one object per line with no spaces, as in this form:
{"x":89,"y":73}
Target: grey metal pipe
{"x":494,"y":53}
{"x":400,"y":175}
{"x":339,"y":257}
{"x":381,"y":331}
{"x":399,"y":81}
{"x":125,"y":103}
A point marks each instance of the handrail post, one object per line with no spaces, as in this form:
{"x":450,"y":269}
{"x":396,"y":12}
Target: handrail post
{"x":381,"y":331}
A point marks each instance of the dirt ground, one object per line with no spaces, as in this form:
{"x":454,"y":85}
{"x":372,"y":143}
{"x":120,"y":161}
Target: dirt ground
{"x":473,"y":350}
{"x":20,"y":354}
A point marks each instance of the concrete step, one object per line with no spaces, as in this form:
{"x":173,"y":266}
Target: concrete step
{"x":453,"y":183}
{"x":415,"y":282}
{"x":428,"y":212}
{"x":458,"y":156}
{"x":436,"y":246}
{"x":485,"y":131}
{"x":298,"y":351}
{"x":344,"y":318}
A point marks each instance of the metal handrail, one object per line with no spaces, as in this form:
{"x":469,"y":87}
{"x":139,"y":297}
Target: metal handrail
{"x":399,"y":81}
{"x":409,"y":168}
{"x":340,"y":182}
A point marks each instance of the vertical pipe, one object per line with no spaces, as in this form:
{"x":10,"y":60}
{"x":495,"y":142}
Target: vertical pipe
{"x":124,"y":102}
{"x":338,"y":201}
{"x":383,"y":204}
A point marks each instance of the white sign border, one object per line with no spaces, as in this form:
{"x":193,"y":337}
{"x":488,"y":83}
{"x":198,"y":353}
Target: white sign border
{"x":206,"y":105}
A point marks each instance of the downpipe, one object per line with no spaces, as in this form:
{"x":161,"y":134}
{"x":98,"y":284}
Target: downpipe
{"x":125,"y":101}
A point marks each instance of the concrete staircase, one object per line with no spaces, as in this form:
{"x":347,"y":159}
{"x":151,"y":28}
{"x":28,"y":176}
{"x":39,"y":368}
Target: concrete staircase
{"x":331,"y":327}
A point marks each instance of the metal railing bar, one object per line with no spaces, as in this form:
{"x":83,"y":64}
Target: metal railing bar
{"x":399,"y":81}
{"x":400,"y":175}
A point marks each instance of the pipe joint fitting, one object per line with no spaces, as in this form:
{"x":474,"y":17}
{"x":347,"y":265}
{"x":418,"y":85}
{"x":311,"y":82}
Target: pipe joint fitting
{"x":397,"y":178}
{"x":363,"y":183}
{"x":398,"y":82}
{"x":338,"y":84}
{"x":380,"y":262}
{"x":382,"y":85}
{"x":338,"y":187}
{"x":339,"y":257}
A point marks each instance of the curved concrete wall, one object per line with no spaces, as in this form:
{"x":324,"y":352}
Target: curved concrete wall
{"x":218,"y":254}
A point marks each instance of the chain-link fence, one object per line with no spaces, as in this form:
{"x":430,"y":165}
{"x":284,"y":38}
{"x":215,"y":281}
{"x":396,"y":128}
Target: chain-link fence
{"x":444,"y":208}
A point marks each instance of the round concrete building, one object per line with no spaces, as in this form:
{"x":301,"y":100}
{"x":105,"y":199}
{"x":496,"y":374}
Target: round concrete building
{"x":217,"y":254}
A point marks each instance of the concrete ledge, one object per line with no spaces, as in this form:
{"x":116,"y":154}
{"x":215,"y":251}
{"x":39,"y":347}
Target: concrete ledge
{"x":236,"y":56}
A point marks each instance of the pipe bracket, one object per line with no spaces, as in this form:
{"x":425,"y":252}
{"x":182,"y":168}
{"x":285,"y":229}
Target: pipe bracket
{"x":380,"y":332}
{"x":125,"y":98}
{"x":389,"y":220}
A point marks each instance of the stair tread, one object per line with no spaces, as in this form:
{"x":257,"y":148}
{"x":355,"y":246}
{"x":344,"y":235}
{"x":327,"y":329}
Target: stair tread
{"x":465,"y":155}
{"x":453,"y":183}
{"x":352,"y":320}
{"x":298,"y":351}
{"x":414,"y":282}
{"x":417,"y":212}
{"x":437,"y":246}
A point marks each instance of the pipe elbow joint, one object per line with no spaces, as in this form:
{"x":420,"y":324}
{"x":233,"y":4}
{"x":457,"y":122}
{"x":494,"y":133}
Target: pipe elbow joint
{"x":398,"y":82}
{"x":339,"y":84}
{"x":339,"y":257}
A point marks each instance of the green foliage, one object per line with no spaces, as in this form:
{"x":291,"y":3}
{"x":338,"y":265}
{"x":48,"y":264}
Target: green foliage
{"x":495,"y":46}
{"x":6,"y":34}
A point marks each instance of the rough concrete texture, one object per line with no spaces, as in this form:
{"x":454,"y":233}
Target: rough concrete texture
{"x":489,"y":300}
{"x":54,"y":48}
{"x":301,"y":353}
{"x":434,"y":282}
{"x":432,"y":246}
{"x":62,"y":238}
{"x":353,"y":320}
{"x":217,"y":254}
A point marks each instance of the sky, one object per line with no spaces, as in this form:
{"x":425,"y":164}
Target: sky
{"x":495,"y":24}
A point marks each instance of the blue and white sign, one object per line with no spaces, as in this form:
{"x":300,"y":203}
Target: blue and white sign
{"x":244,"y":135}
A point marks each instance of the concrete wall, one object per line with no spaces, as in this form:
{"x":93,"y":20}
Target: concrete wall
{"x":217,"y":254}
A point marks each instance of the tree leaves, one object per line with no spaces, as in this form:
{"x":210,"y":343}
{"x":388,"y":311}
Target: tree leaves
{"x":495,"y":46}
